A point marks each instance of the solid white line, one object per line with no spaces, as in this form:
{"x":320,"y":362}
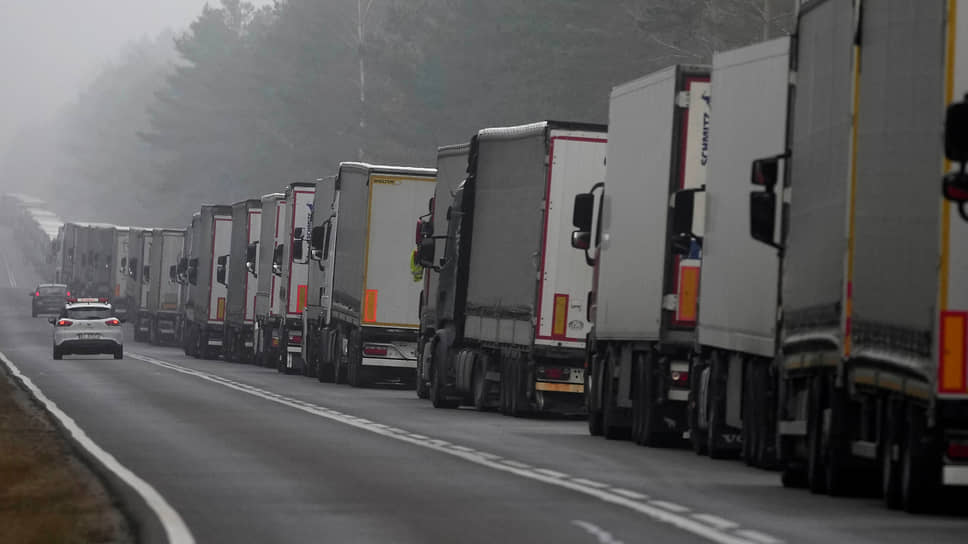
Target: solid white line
{"x":590,"y":483}
{"x":757,"y":536}
{"x":552,"y":473}
{"x":649,"y":509}
{"x":716,"y":521}
{"x":670,"y":506}
{"x":629,"y":494}
{"x":175,"y":528}
{"x":603,"y":536}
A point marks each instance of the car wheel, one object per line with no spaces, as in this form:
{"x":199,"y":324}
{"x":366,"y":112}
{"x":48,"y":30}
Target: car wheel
{"x":119,"y":352}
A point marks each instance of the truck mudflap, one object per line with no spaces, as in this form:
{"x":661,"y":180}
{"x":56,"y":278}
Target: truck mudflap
{"x":390,"y":354}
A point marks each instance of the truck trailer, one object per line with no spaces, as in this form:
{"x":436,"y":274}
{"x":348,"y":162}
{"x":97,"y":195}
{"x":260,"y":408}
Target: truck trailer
{"x":732,"y":371}
{"x":119,"y":271}
{"x":451,"y":171}
{"x":872,"y":350}
{"x":292,"y":260}
{"x":163,"y":293}
{"x":269,"y":308}
{"x":319,"y":280}
{"x":646,"y":264}
{"x":241,"y":281}
{"x":139,"y":256}
{"x":511,"y":301}
{"x":204,"y":313}
{"x":371,"y":315}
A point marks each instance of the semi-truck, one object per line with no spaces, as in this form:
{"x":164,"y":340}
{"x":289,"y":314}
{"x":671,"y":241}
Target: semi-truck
{"x":139,"y":253}
{"x":163,"y":294}
{"x":119,"y":271}
{"x":204,"y":312}
{"x":292,"y":257}
{"x":314,"y":322}
{"x":732,"y":371}
{"x":872,"y":341}
{"x":511,"y":301}
{"x":269,"y":308}
{"x":451,"y":171}
{"x":371,"y":312}
{"x":241,"y":280}
{"x":643,"y":301}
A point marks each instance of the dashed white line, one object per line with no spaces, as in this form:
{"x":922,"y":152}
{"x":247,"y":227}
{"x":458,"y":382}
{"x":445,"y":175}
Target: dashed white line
{"x":175,"y":528}
{"x":590,"y":483}
{"x":552,"y":473}
{"x":660,"y":511}
{"x":716,"y":521}
{"x":629,"y":494}
{"x":757,"y":536}
{"x":603,"y":536}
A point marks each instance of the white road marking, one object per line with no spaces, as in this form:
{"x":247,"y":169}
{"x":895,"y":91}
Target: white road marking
{"x":175,"y":528}
{"x":758,"y":537}
{"x":603,"y":536}
{"x":629,"y":493}
{"x":660,"y":511}
{"x":716,"y":521}
{"x":590,"y":483}
{"x":552,"y":473}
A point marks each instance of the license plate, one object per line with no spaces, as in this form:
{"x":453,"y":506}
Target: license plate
{"x":88,"y":335}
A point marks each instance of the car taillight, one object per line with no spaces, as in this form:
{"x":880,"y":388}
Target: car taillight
{"x":68,"y":294}
{"x":680,"y":378}
{"x":37,"y":294}
{"x":295,"y":339}
{"x":65,"y":323}
{"x":375,"y":351}
{"x":958,"y":450}
{"x":113,"y":323}
{"x":551,"y":372}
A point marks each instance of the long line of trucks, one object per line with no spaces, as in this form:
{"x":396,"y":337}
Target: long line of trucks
{"x":752,"y":258}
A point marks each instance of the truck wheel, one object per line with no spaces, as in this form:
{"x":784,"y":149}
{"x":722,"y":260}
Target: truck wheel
{"x":651,"y":434}
{"x":748,"y":434}
{"x":716,"y":394}
{"x":698,"y":436}
{"x":891,"y":432}
{"x":438,"y":387}
{"x":153,"y":334}
{"x":611,"y":428}
{"x":422,"y":389}
{"x":920,"y":465}
{"x":479,"y":384}
{"x":353,"y":372}
{"x":793,"y":477}
{"x":838,"y":477}
{"x":593,"y":384}
{"x":816,"y":471}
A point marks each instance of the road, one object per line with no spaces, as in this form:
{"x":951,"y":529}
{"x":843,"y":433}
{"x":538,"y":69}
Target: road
{"x":245,"y":454}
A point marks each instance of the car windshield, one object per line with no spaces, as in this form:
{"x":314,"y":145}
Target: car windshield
{"x":52,"y":291}
{"x":89,"y":312}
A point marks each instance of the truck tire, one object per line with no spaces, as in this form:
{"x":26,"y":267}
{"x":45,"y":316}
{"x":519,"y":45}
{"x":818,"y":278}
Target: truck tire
{"x":839,"y":478}
{"x":421,"y":386}
{"x":816,"y":470}
{"x":438,"y":386}
{"x":890,"y":435}
{"x":593,"y":384}
{"x":58,"y":354}
{"x":716,"y":396}
{"x":478,"y":384}
{"x":749,"y":435}
{"x":920,"y":465}
{"x":651,"y":434}
{"x":698,"y":436}
{"x":119,"y":352}
{"x":611,"y":429}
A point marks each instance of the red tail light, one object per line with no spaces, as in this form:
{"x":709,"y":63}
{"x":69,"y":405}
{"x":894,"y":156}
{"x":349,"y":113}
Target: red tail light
{"x":37,"y":294}
{"x":375,"y":351}
{"x":551,"y":373}
{"x":64,"y":323}
{"x":680,"y":378}
{"x":297,"y":340}
{"x":958,"y":450}
{"x":68,"y":293}
{"x":113,"y":323}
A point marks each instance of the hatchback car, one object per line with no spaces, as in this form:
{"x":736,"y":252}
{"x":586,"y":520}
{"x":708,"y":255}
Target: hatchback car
{"x":48,"y":298}
{"x":87,"y":326}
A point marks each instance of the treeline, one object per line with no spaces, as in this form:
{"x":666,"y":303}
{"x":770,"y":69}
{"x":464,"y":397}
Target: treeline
{"x":248,"y":99}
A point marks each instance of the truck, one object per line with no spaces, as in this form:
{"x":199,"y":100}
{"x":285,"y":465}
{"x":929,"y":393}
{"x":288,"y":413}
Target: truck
{"x":204,"y":311}
{"x":314,"y":322}
{"x":291,"y":259}
{"x":139,"y":255}
{"x":451,"y":171}
{"x":370,"y":301}
{"x":268,"y":304}
{"x":241,"y":280}
{"x":643,"y":299}
{"x":162,"y":293}
{"x":731,"y":372}
{"x":119,"y":271}
{"x":511,"y":301}
{"x":872,"y":337}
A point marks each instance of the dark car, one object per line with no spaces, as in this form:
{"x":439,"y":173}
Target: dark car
{"x":48,"y":298}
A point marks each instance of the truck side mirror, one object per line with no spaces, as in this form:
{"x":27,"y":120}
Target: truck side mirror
{"x":765,"y":172}
{"x":581,"y":215}
{"x":431,"y":204}
{"x":221,"y":269}
{"x":316,"y":237}
{"x":193,"y":271}
{"x":124,"y":264}
{"x":251,"y":253}
{"x":683,"y":203}
{"x":426,"y":252}
{"x":297,"y":250}
{"x":297,"y":233}
{"x":133,"y":268}
{"x":173,"y":273}
{"x":277,"y":259}
{"x":956,"y":132}
{"x":763,"y":217}
{"x":146,"y":274}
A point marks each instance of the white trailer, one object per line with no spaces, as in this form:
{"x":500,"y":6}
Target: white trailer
{"x":205,"y":308}
{"x":269,"y":306}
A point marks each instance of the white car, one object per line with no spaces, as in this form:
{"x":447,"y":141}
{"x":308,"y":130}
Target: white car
{"x":87,"y":326}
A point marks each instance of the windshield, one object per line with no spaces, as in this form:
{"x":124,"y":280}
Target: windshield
{"x":88,"y":312}
{"x":52,"y":291}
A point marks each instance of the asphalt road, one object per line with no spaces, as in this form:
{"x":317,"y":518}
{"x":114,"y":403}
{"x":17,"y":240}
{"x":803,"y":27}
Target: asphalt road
{"x":245,"y":454}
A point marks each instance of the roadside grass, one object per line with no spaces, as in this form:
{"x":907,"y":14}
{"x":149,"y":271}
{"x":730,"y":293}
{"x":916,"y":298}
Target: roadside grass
{"x":47,"y":495}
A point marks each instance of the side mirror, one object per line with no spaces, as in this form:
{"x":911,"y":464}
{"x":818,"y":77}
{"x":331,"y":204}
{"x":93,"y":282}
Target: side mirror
{"x":277,"y":259}
{"x":52,"y":320}
{"x":220,"y":271}
{"x":426,"y":252}
{"x":173,"y":273}
{"x":956,"y":132}
{"x":317,"y":237}
{"x":146,"y":274}
{"x":193,"y":276}
{"x":763,"y":217}
{"x":765,"y":172}
{"x":251,"y":253}
{"x":581,"y":215}
{"x":124,"y":264}
{"x":581,"y":240}
{"x":683,"y":203}
{"x":297,"y":233}
{"x":431,"y":204}
{"x":297,"y":250}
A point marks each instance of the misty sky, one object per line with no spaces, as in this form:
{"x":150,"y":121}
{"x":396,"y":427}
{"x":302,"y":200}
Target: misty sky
{"x":48,"y":48}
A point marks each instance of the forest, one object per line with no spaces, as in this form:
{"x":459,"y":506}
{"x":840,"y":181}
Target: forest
{"x":248,"y":99}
